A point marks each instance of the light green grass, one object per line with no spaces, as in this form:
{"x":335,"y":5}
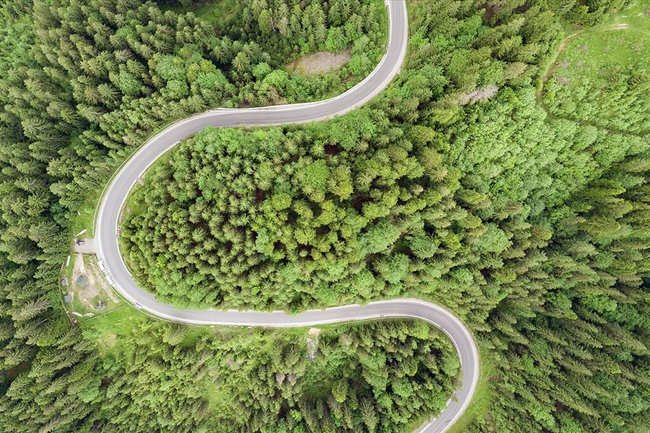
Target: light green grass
{"x":110,"y":329}
{"x":623,"y":37}
{"x":581,"y":82}
{"x":607,"y":34}
{"x":86,"y":216}
{"x":626,"y":47}
{"x":633,"y":14}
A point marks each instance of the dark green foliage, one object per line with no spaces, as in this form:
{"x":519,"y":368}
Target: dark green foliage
{"x":348,"y":378}
{"x":109,"y":73}
{"x":288,"y":27}
{"x":585,"y":343}
{"x":454,"y":186}
{"x":277,"y":218}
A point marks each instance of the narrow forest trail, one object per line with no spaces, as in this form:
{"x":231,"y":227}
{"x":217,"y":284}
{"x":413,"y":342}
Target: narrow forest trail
{"x":107,"y":225}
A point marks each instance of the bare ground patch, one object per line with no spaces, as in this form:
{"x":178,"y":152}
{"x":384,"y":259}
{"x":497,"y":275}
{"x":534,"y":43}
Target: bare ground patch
{"x":85,"y":246}
{"x":312,"y":342}
{"x":86,"y":293}
{"x":107,"y":340}
{"x":618,"y":26}
{"x":96,"y":288}
{"x":320,"y":62}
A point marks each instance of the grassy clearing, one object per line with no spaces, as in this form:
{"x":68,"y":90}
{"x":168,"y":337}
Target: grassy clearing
{"x":621,"y":43}
{"x":109,"y":329}
{"x":628,"y":20}
{"x":594,"y":78}
{"x":632,"y":14}
{"x":67,"y":270}
{"x":623,"y":37}
{"x":85,"y":219}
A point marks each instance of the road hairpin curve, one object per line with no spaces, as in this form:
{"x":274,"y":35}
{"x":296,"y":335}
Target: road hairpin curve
{"x":116,"y":193}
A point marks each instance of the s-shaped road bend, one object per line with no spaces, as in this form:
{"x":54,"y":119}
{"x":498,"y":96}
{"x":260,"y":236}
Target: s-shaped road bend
{"x":116,"y":193}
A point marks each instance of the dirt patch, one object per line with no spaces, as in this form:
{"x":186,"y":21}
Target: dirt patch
{"x":87,"y":292}
{"x":107,"y":340}
{"x":233,"y":365}
{"x":345,"y":340}
{"x":95,"y":288}
{"x":85,"y":246}
{"x":312,"y":342}
{"x":332,"y":149}
{"x":320,"y":62}
{"x":101,"y":284}
{"x":478,"y":95}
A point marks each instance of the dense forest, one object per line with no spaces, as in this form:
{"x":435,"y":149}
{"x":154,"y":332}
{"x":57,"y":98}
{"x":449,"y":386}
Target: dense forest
{"x":489,"y":177}
{"x":371,"y":377}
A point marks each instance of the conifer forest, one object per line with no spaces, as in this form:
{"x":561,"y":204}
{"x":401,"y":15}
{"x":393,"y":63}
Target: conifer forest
{"x":503,"y":174}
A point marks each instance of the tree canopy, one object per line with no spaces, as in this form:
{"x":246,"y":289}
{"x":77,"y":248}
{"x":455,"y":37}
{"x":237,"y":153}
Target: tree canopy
{"x":504,"y":174}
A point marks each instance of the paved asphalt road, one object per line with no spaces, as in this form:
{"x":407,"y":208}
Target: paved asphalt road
{"x":116,"y":193}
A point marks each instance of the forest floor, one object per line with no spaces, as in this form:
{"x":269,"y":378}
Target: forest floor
{"x":118,"y":321}
{"x":319,"y":62}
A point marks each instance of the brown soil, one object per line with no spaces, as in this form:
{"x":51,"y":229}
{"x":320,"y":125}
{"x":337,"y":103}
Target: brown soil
{"x":312,"y":342}
{"x":319,"y":62}
{"x":87,"y":293}
{"x":107,"y":340}
{"x":101,"y":283}
{"x":96,"y":284}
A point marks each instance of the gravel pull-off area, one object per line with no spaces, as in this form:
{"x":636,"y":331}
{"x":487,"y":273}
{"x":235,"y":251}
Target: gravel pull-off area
{"x":317,"y":63}
{"x":87,"y":246}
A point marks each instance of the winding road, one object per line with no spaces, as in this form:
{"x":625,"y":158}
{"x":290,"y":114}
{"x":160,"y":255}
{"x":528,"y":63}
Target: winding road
{"x":116,"y":193}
